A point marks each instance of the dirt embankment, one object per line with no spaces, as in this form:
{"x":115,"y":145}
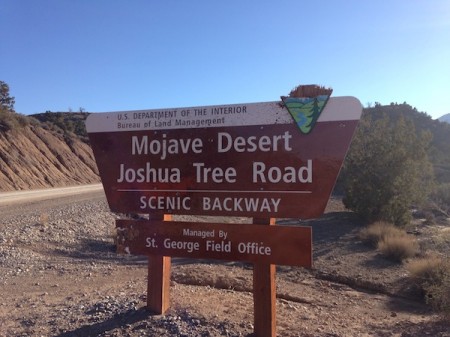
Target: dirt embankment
{"x":33,"y":157}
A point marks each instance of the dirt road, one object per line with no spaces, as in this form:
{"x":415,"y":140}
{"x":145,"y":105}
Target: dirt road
{"x":15,"y":197}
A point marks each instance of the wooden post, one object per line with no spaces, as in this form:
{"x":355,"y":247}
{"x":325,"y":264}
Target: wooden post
{"x":264,"y":293}
{"x":158,"y":285}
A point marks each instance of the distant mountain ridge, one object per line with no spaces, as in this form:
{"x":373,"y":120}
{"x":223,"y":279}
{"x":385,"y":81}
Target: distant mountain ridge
{"x":445,"y":118}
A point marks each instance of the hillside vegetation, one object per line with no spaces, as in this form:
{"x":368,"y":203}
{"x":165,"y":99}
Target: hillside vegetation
{"x":399,"y":159}
{"x":439,"y":149}
{"x":66,"y":122}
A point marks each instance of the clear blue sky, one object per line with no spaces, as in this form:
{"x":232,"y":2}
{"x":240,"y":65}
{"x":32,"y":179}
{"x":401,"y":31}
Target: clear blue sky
{"x":109,"y":55}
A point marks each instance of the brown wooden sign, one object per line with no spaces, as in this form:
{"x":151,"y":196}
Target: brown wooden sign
{"x":262,"y":160}
{"x":281,"y":245}
{"x":235,"y":160}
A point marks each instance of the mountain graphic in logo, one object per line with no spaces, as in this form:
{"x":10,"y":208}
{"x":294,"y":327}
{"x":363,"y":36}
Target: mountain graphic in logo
{"x":305,"y":103}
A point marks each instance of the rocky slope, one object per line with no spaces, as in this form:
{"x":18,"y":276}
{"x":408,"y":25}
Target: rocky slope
{"x":36,"y":156}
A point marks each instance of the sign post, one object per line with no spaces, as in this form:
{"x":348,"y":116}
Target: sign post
{"x":158,"y":280}
{"x":264,"y":293}
{"x":260,"y":160}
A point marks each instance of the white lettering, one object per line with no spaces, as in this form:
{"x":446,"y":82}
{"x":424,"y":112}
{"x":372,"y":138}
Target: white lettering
{"x":140,"y":145}
{"x":254,"y":248}
{"x":188,"y":246}
{"x":165,"y":203}
{"x":225,"y":143}
{"x":230,"y":204}
{"x":218,"y":247}
{"x":151,"y":243}
{"x":216,"y":175}
{"x":198,"y":233}
{"x":288,"y":174}
{"x":148,"y":174}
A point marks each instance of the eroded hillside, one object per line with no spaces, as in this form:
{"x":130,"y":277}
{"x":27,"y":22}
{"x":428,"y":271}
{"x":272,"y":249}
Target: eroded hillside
{"x":32,"y":157}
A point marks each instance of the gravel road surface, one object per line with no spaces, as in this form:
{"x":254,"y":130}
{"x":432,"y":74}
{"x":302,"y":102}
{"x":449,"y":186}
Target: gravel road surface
{"x":60,"y":276}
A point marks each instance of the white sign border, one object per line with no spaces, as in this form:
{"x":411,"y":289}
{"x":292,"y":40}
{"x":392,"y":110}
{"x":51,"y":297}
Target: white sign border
{"x":245,"y":114}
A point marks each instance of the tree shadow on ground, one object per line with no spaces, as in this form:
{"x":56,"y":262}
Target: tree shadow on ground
{"x":333,"y":226}
{"x":342,"y":227}
{"x":436,"y":328}
{"x":117,"y":321}
{"x":149,"y":324}
{"x":378,"y":261}
{"x":412,"y":298}
{"x":98,"y":250}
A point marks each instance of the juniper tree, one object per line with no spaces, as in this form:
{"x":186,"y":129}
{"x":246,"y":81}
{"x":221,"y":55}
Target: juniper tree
{"x":387,"y":170}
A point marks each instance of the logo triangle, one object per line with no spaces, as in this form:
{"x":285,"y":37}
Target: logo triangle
{"x":305,"y":103}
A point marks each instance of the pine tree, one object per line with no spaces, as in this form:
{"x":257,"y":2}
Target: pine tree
{"x":6,"y":101}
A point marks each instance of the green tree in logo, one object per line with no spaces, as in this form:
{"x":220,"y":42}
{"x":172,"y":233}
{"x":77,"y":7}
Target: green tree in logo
{"x":305,"y":111}
{"x":305,"y":103}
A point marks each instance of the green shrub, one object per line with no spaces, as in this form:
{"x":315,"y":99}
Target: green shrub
{"x":441,"y":199}
{"x":387,"y":170}
{"x":432,"y":276}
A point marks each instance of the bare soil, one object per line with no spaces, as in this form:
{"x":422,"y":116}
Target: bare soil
{"x":32,"y":157}
{"x":60,"y":276}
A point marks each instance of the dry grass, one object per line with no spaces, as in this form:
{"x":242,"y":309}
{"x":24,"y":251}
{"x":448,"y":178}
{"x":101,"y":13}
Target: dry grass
{"x":432,"y":276}
{"x":399,"y":248}
{"x":392,"y":241}
{"x":378,"y":231}
{"x":43,"y":219}
{"x":424,"y":268}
